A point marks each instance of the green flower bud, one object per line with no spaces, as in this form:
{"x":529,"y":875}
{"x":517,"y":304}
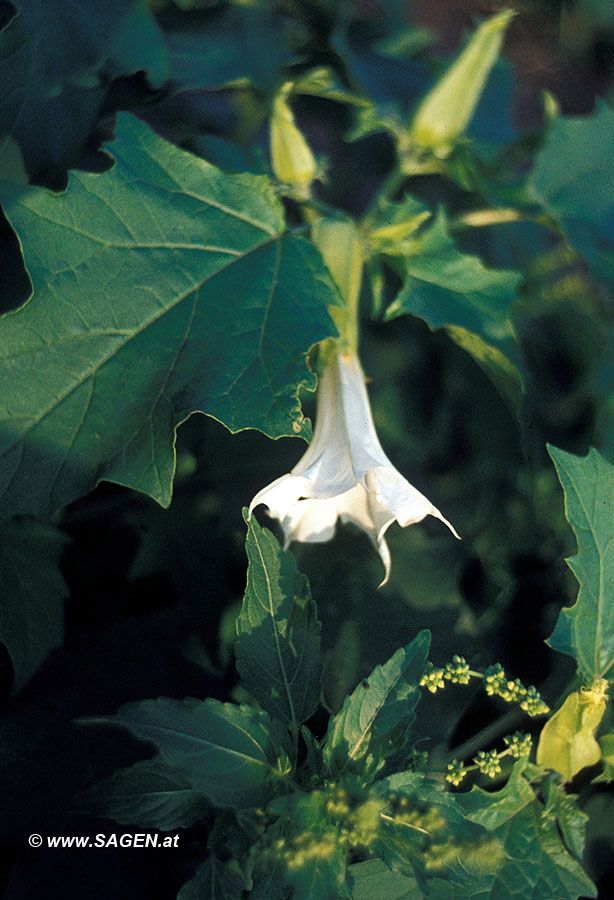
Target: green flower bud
{"x":292,"y":161}
{"x":447,"y":109}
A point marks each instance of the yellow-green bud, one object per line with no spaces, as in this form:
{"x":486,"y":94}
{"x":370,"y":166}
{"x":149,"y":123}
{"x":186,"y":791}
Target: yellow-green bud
{"x":447,"y":109}
{"x":292,"y":161}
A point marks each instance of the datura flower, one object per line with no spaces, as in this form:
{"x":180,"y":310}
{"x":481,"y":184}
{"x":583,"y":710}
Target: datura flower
{"x":344,"y":473}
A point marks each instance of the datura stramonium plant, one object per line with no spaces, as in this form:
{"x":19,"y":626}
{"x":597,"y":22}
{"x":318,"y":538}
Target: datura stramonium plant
{"x":344,"y":474}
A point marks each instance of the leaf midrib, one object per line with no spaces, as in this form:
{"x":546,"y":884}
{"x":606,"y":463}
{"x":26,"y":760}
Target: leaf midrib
{"x":271,"y":611}
{"x":141,"y":728}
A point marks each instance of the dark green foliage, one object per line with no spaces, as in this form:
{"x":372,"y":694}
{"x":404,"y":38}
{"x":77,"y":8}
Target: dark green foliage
{"x":158,"y":259}
{"x":278,"y":633}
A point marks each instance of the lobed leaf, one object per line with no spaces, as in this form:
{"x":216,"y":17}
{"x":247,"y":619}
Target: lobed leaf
{"x":55,"y":59}
{"x":161,"y":287}
{"x":454,"y":290}
{"x":235,"y":44}
{"x":586,"y":630}
{"x":535,"y":862}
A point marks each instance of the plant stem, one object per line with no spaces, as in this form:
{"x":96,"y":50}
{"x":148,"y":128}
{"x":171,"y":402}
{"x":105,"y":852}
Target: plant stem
{"x":488,"y":735}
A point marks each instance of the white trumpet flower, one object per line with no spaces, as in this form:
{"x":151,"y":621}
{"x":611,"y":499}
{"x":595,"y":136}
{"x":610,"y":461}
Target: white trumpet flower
{"x":344,"y":473}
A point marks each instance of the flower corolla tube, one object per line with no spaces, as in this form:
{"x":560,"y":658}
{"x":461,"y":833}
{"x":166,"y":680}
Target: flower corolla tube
{"x":344,"y":474}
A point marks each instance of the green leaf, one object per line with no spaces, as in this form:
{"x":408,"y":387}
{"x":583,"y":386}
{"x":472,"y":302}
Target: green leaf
{"x":315,"y":855}
{"x":232,"y":754}
{"x":149,"y":794}
{"x":394,"y":224}
{"x":445,"y":287}
{"x":586,"y":630}
{"x":571,"y":819}
{"x":55,"y":56}
{"x":424,"y":823}
{"x":572,"y":181}
{"x":567,"y":742}
{"x":454,"y":290}
{"x":214,"y":880}
{"x":373,"y":880}
{"x":33,"y":592}
{"x":606,"y":745}
{"x":235,"y":44}
{"x":269,"y":880}
{"x":155,"y":295}
{"x":535,"y":864}
{"x":278,"y":633}
{"x":376,"y":717}
{"x":320,"y":878}
{"x":138,"y":44}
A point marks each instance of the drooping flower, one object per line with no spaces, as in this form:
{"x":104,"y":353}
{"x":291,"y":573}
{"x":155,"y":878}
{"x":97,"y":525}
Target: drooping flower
{"x":344,"y":474}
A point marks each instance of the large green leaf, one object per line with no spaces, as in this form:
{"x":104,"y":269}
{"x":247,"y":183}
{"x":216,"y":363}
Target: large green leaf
{"x":55,"y":56}
{"x":376,"y":717}
{"x":572,"y":180}
{"x":535,"y":864}
{"x":149,"y":794}
{"x":373,"y":880}
{"x":232,"y":754}
{"x":160,"y":287}
{"x":417,"y":836}
{"x":454,"y":290}
{"x":278,"y":633}
{"x":236,"y":43}
{"x":32,"y":592}
{"x":586,"y":630}
{"x":213,"y":880}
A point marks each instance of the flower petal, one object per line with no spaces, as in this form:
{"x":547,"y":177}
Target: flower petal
{"x":327,"y":462}
{"x":405,"y":502}
{"x":366,"y":450}
{"x":280,"y":495}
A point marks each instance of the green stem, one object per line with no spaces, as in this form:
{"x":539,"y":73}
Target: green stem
{"x":487,"y":735}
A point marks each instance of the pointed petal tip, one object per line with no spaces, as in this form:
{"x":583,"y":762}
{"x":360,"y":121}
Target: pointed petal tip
{"x":449,"y":524}
{"x":384,"y":552}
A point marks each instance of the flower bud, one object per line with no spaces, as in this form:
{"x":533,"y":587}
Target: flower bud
{"x":292,"y":161}
{"x":448,"y":108}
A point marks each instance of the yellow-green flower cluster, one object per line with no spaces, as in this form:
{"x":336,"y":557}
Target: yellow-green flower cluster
{"x":533,"y":704}
{"x":456,"y":772}
{"x":487,"y":762}
{"x":518,"y":744}
{"x":432,"y":678}
{"x":497,"y":684}
{"x":458,"y":671}
{"x":495,"y":680}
